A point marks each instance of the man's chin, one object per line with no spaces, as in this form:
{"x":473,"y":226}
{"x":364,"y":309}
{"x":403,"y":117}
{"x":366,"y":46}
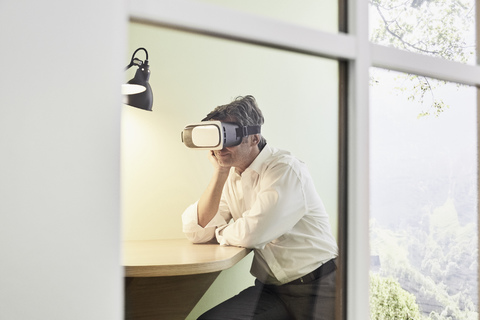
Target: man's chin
{"x":224,"y":163}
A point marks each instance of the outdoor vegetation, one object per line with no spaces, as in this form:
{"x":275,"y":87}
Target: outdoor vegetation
{"x":389,"y":301}
{"x":440,"y":28}
{"x":423,"y":226}
{"x":435,"y":261}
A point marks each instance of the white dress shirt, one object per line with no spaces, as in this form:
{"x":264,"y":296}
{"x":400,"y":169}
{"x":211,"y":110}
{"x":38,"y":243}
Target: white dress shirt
{"x":273,"y":208}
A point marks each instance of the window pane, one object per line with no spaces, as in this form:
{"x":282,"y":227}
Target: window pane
{"x":423,"y":177}
{"x":442,"y":28}
{"x":190,"y":75}
{"x":317,"y":14}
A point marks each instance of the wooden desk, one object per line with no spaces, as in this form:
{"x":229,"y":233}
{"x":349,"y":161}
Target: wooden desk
{"x":164,"y":279}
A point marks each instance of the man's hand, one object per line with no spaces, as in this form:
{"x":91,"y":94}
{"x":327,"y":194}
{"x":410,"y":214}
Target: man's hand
{"x":216,"y":166}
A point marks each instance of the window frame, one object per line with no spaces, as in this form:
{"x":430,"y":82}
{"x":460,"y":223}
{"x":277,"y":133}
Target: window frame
{"x":356,"y":55}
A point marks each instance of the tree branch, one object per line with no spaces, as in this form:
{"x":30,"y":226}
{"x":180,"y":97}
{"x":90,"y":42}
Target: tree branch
{"x":405,"y":43}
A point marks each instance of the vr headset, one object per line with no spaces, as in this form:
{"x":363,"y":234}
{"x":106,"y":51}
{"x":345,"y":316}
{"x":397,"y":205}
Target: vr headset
{"x":215,"y":135}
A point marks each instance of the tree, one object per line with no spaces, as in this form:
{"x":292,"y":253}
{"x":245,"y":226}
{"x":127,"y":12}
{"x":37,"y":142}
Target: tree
{"x":433,"y":262}
{"x":437,"y":265}
{"x":388,"y":301}
{"x":440,"y":28}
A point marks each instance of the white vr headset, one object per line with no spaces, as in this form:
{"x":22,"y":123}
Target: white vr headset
{"x":215,"y":135}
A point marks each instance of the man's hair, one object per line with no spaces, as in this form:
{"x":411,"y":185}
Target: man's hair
{"x":242,"y":110}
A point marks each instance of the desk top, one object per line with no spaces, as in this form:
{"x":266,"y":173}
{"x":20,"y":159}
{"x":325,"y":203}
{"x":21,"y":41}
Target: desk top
{"x":175,"y":257}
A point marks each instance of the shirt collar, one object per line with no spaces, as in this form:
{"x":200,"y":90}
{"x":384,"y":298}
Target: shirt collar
{"x":259,"y":161}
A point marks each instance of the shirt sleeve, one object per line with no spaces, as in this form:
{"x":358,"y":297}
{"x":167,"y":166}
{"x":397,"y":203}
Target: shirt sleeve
{"x":279,"y":205}
{"x":196,"y":233}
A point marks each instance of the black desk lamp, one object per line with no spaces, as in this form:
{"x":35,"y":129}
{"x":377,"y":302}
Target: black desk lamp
{"x":137,"y":92}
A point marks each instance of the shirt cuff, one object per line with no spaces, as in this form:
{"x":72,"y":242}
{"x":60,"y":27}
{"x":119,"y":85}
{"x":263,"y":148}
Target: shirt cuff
{"x":190,"y":220}
{"x":219,"y":235}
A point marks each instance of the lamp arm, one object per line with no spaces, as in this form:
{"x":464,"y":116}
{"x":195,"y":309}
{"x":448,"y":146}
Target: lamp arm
{"x":136,"y":61}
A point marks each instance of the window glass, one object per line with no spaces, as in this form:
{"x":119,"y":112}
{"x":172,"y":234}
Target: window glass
{"x":191,"y":74}
{"x":316,"y":14}
{"x":442,"y":28}
{"x":423,"y":178}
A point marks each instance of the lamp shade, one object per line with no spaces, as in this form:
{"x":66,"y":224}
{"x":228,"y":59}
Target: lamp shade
{"x":144,"y":99}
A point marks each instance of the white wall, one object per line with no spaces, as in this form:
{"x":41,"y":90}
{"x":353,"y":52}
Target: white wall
{"x":61,"y":68}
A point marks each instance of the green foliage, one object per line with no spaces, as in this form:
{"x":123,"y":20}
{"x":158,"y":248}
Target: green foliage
{"x":436,"y":263}
{"x":388,"y":301}
{"x":440,"y":28}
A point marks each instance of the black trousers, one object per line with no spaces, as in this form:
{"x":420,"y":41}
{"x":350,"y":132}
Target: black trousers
{"x":306,"y":301}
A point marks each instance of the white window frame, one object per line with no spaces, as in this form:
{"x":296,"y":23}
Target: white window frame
{"x":356,"y":49}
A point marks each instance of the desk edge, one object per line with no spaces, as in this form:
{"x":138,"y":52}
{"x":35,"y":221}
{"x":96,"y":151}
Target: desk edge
{"x":181,"y":269}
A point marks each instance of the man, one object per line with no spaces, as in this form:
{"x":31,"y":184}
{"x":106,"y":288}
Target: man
{"x":270,"y":197}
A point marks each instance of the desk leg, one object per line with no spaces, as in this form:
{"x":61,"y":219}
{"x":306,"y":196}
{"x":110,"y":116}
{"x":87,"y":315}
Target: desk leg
{"x":149,"y":298}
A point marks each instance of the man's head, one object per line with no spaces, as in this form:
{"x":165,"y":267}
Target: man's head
{"x":243,"y":111}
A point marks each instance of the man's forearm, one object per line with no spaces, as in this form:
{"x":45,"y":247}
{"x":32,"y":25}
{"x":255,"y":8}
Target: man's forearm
{"x":210,"y":200}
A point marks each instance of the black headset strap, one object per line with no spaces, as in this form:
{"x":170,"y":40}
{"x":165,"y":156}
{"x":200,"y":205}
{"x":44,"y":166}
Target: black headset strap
{"x":248,"y":130}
